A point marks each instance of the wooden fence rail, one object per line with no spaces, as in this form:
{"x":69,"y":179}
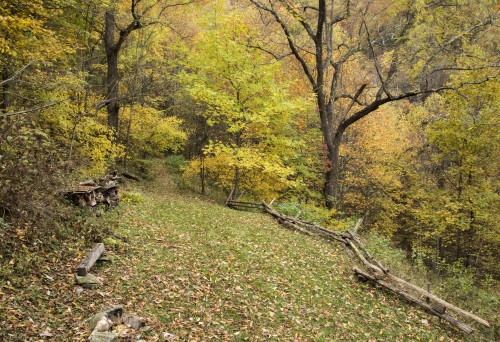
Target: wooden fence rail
{"x":367,"y":267}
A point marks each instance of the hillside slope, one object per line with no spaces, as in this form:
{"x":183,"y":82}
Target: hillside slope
{"x":206,"y":271}
{"x":201,"y":271}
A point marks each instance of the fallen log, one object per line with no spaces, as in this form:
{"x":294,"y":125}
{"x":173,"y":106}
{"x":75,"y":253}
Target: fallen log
{"x":131,"y":176}
{"x":89,"y":261}
{"x":428,"y":308}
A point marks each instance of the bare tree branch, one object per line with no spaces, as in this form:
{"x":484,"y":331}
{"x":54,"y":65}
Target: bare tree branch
{"x":379,"y":102}
{"x":276,"y":57}
{"x":375,"y":62}
{"x":16,"y":74}
{"x":355,"y":98}
{"x":271,"y":10}
{"x":299,"y":18}
{"x":34,"y":109}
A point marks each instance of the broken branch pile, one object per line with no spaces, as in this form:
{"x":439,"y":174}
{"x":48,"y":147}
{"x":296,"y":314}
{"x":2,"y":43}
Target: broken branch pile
{"x":366,"y":267}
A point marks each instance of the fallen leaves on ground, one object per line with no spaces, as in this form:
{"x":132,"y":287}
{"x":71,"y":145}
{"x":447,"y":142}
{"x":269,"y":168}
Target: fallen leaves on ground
{"x":200,"y":271}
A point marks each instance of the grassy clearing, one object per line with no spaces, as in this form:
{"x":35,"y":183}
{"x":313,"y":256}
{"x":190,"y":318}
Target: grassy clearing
{"x":204,"y":272}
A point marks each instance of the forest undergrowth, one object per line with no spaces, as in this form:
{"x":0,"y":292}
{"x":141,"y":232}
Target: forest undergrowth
{"x":201,"y":271}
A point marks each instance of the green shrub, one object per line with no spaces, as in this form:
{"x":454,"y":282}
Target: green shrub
{"x":313,"y":213}
{"x":142,"y":167}
{"x":131,"y":197}
{"x":175,"y":163}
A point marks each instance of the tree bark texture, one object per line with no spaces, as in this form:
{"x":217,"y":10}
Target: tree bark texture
{"x":113,"y":41}
{"x":5,"y":90}
{"x":111,"y":49}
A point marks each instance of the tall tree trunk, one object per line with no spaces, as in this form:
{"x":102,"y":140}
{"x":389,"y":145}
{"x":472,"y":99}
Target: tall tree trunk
{"x":112,"y":74}
{"x":5,"y":90}
{"x":332,"y":175}
{"x":202,"y":174}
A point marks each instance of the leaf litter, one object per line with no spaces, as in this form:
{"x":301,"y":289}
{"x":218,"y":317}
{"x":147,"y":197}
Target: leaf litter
{"x":200,"y":271}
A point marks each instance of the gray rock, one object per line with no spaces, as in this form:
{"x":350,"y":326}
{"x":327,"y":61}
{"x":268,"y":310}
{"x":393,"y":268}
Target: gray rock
{"x":169,"y":337}
{"x":103,"y":325}
{"x":103,"y":337}
{"x":89,"y":281}
{"x":135,"y":322}
{"x":114,"y":315}
{"x":95,"y":319}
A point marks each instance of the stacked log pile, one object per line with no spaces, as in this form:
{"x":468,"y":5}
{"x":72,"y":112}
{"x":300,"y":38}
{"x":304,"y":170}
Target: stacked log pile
{"x":367,"y":268}
{"x":91,"y":193}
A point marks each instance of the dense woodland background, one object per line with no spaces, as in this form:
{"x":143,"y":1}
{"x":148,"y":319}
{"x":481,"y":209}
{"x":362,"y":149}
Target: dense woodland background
{"x":386,"y":110}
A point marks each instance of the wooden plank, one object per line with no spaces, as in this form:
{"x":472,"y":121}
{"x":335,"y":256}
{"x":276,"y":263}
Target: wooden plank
{"x":90,"y":259}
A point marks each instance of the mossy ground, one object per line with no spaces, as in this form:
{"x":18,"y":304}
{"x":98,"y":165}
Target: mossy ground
{"x":201,"y":271}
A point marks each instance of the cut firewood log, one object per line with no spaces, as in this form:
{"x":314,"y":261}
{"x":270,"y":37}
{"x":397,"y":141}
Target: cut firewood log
{"x":89,"y":261}
{"x":464,"y":327}
{"x":88,"y":182}
{"x":81,"y":201}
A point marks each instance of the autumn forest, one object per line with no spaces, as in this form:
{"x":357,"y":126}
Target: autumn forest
{"x":385,"y":110}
